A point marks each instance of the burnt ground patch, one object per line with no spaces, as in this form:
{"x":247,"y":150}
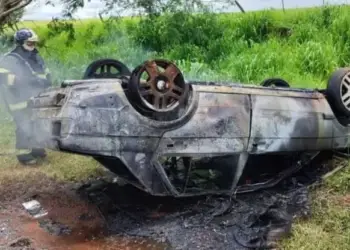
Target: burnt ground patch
{"x":101,"y":214}
{"x":71,"y":223}
{"x":248,"y":221}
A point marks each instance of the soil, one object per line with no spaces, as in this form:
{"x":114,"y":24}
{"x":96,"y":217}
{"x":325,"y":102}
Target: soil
{"x":114,"y":217}
{"x":343,"y":200}
{"x":72,"y":223}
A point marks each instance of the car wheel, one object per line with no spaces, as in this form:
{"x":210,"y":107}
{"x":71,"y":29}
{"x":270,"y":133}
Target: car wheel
{"x":278,"y":82}
{"x":338,"y":91}
{"x":106,"y":68}
{"x":158,"y":85}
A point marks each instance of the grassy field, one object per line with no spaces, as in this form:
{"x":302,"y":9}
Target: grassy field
{"x":226,"y":47}
{"x":301,"y":46}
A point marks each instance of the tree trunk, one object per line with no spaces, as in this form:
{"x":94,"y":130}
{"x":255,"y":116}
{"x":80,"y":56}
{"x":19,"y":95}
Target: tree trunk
{"x":8,"y":10}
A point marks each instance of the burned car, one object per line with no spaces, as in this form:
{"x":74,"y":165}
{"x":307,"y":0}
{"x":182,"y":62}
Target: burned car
{"x":172,"y":137}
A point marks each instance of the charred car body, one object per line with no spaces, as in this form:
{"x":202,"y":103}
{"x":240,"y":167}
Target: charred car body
{"x":160,"y":133}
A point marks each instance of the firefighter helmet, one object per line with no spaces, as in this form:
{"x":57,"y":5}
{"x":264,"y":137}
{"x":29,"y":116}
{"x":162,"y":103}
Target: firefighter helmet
{"x":26,"y":38}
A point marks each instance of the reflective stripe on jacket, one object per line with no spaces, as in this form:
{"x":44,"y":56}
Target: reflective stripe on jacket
{"x":8,"y":76}
{"x":19,"y":81}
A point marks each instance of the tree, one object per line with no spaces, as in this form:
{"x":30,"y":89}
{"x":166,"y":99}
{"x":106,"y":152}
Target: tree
{"x":11,"y":11}
{"x":148,"y":7}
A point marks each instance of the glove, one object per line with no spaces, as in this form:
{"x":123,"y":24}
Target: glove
{"x":39,"y":82}
{"x":44,"y":83}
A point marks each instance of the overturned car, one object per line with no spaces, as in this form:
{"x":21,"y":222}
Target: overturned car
{"x":170,"y":137}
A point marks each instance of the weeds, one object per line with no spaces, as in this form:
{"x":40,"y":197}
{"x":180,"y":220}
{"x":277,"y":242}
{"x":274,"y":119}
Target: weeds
{"x":302,"y":46}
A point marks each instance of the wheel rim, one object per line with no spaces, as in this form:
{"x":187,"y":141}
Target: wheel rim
{"x":345,"y":91}
{"x":105,"y":71}
{"x":162,"y":91}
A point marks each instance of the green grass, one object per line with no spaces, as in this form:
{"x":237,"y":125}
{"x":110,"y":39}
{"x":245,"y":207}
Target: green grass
{"x":227,"y":47}
{"x":328,"y":227}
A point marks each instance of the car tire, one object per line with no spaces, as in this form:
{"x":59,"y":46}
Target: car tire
{"x":338,"y":92}
{"x":95,"y":65}
{"x":278,"y":82}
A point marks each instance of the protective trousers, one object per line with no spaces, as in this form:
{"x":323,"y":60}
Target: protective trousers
{"x":22,"y":121}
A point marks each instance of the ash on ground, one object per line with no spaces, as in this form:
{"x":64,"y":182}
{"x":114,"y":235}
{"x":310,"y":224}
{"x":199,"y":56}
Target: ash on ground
{"x":54,"y":228}
{"x":250,"y":221}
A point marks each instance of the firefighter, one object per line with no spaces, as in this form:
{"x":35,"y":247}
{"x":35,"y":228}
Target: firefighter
{"x":23,"y":74}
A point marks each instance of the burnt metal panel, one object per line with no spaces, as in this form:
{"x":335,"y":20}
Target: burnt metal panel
{"x":108,"y":146}
{"x":220,"y":124}
{"x":247,"y":89}
{"x":142,"y":168}
{"x":288,"y":124}
{"x":92,"y":122}
{"x":341,"y":135}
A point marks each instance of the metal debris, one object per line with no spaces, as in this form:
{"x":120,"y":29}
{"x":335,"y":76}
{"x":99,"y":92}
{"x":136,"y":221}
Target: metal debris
{"x":35,"y":209}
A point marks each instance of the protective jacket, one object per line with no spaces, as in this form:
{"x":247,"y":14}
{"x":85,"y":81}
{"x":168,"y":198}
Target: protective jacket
{"x":23,"y":74}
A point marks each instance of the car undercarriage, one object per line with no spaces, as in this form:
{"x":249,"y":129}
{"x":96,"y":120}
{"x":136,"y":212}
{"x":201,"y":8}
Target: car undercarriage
{"x":172,"y":137}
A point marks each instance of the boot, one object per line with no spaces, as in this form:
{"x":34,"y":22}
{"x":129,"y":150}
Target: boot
{"x":26,"y":159}
{"x":38,"y":153}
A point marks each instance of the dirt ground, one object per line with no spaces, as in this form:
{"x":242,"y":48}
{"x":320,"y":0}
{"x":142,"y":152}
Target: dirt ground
{"x":74,"y":223}
{"x":71,"y":223}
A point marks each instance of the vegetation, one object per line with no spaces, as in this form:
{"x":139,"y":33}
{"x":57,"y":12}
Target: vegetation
{"x":11,"y":12}
{"x":301,"y":46}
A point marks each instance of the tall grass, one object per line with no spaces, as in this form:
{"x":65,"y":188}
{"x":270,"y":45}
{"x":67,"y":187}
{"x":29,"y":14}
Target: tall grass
{"x":302,"y":46}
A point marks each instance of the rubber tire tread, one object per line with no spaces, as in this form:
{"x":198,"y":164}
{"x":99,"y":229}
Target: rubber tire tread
{"x":269,"y":81}
{"x":333,"y":92}
{"x":124,"y":70}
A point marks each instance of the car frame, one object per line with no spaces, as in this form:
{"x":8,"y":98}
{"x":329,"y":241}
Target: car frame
{"x":151,"y":131}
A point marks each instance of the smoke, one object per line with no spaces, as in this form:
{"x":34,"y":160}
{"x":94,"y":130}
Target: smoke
{"x":196,"y":71}
{"x":16,"y":124}
{"x":5,"y":117}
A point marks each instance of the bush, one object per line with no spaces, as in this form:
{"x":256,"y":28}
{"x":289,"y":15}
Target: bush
{"x":302,"y":46}
{"x":182,"y":35}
